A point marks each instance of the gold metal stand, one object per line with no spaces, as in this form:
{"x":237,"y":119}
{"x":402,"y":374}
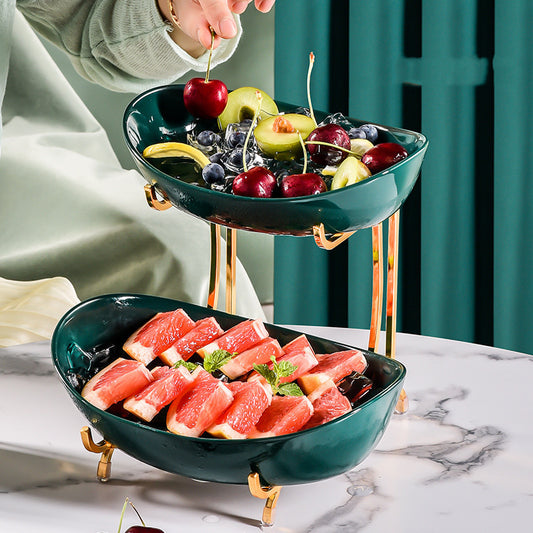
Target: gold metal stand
{"x":103,"y":471}
{"x":270,"y":493}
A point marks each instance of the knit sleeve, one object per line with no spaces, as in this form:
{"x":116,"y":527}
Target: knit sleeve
{"x":121,"y":45}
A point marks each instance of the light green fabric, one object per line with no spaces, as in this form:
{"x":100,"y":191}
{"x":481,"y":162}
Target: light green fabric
{"x":68,"y":209}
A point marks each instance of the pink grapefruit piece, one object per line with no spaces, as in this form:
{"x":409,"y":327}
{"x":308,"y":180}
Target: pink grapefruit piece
{"x":258,"y":354}
{"x":238,"y":338}
{"x":333,"y":366}
{"x":118,"y":380}
{"x":170,"y":384}
{"x":328,"y":403}
{"x":203,"y":332}
{"x":298,"y":344}
{"x":286,"y":414}
{"x":198,"y":409}
{"x":250,"y":399}
{"x":158,"y":334}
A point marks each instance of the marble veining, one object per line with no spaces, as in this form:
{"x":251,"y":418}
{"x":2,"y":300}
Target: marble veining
{"x":459,"y":460}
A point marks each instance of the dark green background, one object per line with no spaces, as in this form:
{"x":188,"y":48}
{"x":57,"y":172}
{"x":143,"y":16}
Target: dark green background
{"x":459,"y":71}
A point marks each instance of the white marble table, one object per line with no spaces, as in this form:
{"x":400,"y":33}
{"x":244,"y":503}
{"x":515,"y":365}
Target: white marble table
{"x":460,"y":460}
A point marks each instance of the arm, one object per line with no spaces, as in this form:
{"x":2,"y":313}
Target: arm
{"x":122,"y":45}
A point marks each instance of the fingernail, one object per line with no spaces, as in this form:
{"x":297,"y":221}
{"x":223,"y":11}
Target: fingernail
{"x":228,"y":27}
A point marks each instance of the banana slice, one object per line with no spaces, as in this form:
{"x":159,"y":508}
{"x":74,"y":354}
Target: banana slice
{"x":175,"y":149}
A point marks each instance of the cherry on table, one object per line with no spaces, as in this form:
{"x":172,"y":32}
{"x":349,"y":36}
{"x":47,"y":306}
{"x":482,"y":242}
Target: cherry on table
{"x":144,"y":529}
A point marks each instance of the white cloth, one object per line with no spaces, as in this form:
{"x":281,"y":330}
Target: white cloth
{"x":67,"y":208}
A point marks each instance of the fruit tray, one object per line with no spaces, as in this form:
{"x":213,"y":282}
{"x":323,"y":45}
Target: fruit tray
{"x":158,"y":115}
{"x":105,"y":322}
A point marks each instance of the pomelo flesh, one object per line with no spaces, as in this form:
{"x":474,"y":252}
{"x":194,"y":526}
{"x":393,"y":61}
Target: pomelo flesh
{"x":250,"y":399}
{"x":158,"y":334}
{"x":286,"y":414}
{"x":335,"y":366}
{"x":257,"y":354}
{"x":203,"y":332}
{"x":198,"y":409}
{"x":328,"y":403}
{"x":118,"y":380}
{"x":170,"y":384}
{"x":298,"y":344}
{"x":238,"y":338}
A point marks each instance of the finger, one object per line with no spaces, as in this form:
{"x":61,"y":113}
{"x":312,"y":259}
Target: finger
{"x":264,"y":5}
{"x":239,"y":6}
{"x":192,"y":22}
{"x":219,"y":17}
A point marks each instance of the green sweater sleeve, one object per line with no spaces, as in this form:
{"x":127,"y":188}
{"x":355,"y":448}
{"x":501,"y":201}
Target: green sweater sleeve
{"x":122,"y":45}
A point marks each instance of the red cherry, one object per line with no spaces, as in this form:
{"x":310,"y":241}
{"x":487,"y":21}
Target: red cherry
{"x":144,"y":529}
{"x":302,"y":185}
{"x":383,"y":156}
{"x":258,"y":182}
{"x":332,"y":134}
{"x":205,"y":99}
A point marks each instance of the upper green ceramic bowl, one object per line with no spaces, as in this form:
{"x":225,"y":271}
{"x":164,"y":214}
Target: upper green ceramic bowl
{"x":158,"y":115}
{"x":302,"y":457}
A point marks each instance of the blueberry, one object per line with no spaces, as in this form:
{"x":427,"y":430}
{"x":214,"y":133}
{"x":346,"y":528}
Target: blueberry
{"x":235,"y":158}
{"x":236,"y":138}
{"x":216,"y":157}
{"x":207,"y":138}
{"x":371,"y":132}
{"x":213,"y":174}
{"x":357,"y":133}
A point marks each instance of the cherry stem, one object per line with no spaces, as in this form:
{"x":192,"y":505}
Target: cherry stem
{"x":322,"y":143}
{"x":137,"y":513}
{"x":210,"y":55}
{"x":246,"y":141}
{"x":122,"y":514}
{"x":309,"y":70}
{"x":305,"y":152}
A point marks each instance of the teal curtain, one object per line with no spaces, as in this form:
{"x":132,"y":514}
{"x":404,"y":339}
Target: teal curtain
{"x":460,"y":72}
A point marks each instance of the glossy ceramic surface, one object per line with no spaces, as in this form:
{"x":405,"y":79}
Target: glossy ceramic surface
{"x":158,"y":115}
{"x":301,"y":457}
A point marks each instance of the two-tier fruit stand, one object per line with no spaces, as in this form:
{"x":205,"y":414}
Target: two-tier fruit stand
{"x":331,"y":218}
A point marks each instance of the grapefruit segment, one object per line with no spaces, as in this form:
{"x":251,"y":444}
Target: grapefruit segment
{"x":333,"y":366}
{"x":118,"y":380}
{"x":198,"y":409}
{"x":328,"y":403}
{"x":298,"y":344}
{"x":170,"y":384}
{"x":250,"y":399}
{"x":257,"y":354}
{"x":238,"y":338}
{"x":158,"y":334}
{"x":286,"y":414}
{"x":203,"y":332}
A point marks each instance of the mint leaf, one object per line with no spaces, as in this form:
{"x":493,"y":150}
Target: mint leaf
{"x":285,"y":368}
{"x":214,"y":360}
{"x":290,"y":389}
{"x":191,"y":367}
{"x":267,"y":373}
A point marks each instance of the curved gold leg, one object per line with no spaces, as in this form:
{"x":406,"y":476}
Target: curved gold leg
{"x":270,"y":493}
{"x":214,"y":274}
{"x":231,"y":272}
{"x":153,"y":201}
{"x":103,"y":472}
{"x":326,"y":243}
{"x":377,"y":287}
{"x":392,"y":299}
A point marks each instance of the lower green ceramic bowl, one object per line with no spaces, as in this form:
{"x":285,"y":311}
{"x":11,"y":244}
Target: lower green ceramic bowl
{"x":302,"y":457}
{"x":158,"y":115}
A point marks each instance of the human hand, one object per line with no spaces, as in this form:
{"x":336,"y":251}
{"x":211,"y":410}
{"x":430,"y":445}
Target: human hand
{"x":195,"y":18}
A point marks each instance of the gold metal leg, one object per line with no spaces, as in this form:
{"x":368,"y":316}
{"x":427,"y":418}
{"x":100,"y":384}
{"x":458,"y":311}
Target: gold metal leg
{"x":270,"y":493}
{"x":326,"y":243}
{"x":103,"y":472}
{"x":153,"y":201}
{"x":392,"y":299}
{"x":377,"y":287}
{"x":231,"y":267}
{"x":214,"y":274}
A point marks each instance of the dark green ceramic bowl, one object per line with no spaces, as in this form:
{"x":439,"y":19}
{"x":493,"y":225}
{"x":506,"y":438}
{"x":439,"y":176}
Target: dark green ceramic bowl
{"x":158,"y":115}
{"x":301,"y":457}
